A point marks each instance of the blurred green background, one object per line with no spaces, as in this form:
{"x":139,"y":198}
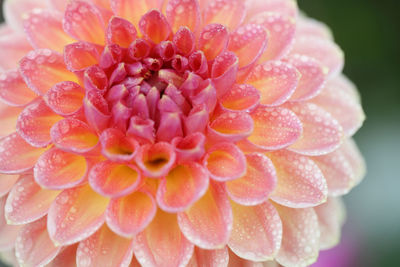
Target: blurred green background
{"x":369,"y":33}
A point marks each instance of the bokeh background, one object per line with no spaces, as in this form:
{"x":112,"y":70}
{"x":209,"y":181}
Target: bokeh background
{"x":369,"y":33}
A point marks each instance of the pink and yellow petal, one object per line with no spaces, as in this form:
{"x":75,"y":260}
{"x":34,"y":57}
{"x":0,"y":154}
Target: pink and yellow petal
{"x":210,"y":258}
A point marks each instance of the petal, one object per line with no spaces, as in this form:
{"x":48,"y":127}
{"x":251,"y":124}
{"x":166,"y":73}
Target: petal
{"x":52,"y":36}
{"x":97,"y":111}
{"x":65,"y":258}
{"x":114,"y":180}
{"x":117,"y":147}
{"x":274,"y":128}
{"x":259,"y":240}
{"x":209,"y":258}
{"x":286,"y":7}
{"x":57,"y":169}
{"x":83,"y":21}
{"x":27,"y":201}
{"x":311,"y":27}
{"x":75,"y":215}
{"x":276,"y":81}
{"x":321,"y":132}
{"x":162,"y":243}
{"x":14,"y":11}
{"x":301,"y":184}
{"x":65,"y":98}
{"x":120,"y":32}
{"x":131,"y":214}
{"x":7,"y":181}
{"x":257,"y":184}
{"x":224,"y":162}
{"x":16,"y":155}
{"x":223,"y":72}
{"x":104,"y":248}
{"x":331,"y":216}
{"x":34,"y":246}
{"x":340,"y":98}
{"x":300,"y":236}
{"x":208,"y":222}
{"x":132,"y":10}
{"x":213,"y":40}
{"x":228,"y":12}
{"x":8,"y":118}
{"x":8,"y":232}
{"x":236,"y":261}
{"x":183,"y":186}
{"x":184,"y":41}
{"x":81,"y":55}
{"x":74,"y":136}
{"x":34,"y":123}
{"x":190,"y":148}
{"x":13,"y":89}
{"x":241,"y":97}
{"x":281,"y":29}
{"x":154,"y":26}
{"x":43,"y":68}
{"x":230,"y":127}
{"x":183,"y":13}
{"x":353,"y":155}
{"x":13,"y":46}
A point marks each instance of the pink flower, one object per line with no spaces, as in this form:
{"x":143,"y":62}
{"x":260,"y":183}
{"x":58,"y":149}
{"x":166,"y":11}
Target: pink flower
{"x":189,"y":132}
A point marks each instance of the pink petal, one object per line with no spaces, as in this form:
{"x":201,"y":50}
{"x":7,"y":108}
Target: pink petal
{"x":248,"y":42}
{"x":120,"y":32}
{"x":57,"y":169}
{"x":117,"y":147}
{"x":141,"y":129}
{"x":75,"y":215}
{"x":183,"y":186}
{"x":311,"y":27}
{"x":131,"y":214}
{"x":7,"y":181}
{"x":213,"y":40}
{"x":114,"y":180}
{"x":43,"y":68}
{"x":162,"y":243}
{"x":65,"y":98}
{"x":16,"y":155}
{"x":281,"y":29}
{"x":15,"y":10}
{"x":301,"y":184}
{"x":353,"y":155}
{"x":276,"y":81}
{"x":241,"y":97}
{"x":184,"y":41}
{"x":154,"y":26}
{"x":34,"y":246}
{"x":340,"y":98}
{"x":97,"y":111}
{"x":223,"y":72}
{"x":34,"y":123}
{"x":197,"y":119}
{"x":209,"y":258}
{"x":8,"y":117}
{"x":27,"y":201}
{"x":183,"y":13}
{"x":104,"y":248}
{"x":325,"y":51}
{"x":83,"y":21}
{"x":286,"y":7}
{"x":170,"y":126}
{"x":52,"y":36}
{"x":236,"y":261}
{"x":132,"y":10}
{"x":321,"y":132}
{"x":331,"y":216}
{"x":228,"y":12}
{"x":8,"y":232}
{"x":300,"y":236}
{"x":230,"y":127}
{"x":224,"y":162}
{"x":312,"y":77}
{"x":208,"y":222}
{"x":190,"y":148}
{"x":65,"y":258}
{"x":13,"y":46}
{"x":274,"y":128}
{"x":13,"y":89}
{"x":95,"y":79}
{"x":59,"y":5}
{"x":259,"y":240}
{"x":81,"y":55}
{"x":74,"y":136}
{"x":257,"y":184}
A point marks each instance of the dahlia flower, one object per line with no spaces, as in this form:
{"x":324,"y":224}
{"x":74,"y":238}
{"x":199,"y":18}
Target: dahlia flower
{"x":172,"y":133}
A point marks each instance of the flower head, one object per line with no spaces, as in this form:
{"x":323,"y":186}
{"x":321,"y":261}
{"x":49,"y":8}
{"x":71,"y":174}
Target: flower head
{"x":172,"y":133}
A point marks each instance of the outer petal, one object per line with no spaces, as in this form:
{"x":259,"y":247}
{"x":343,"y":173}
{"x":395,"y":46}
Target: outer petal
{"x":276,"y":81}
{"x":301,"y":184}
{"x":65,"y":98}
{"x":241,"y":97}
{"x":300,"y":236}
{"x":321,"y":132}
{"x":223,"y":72}
{"x":353,"y":155}
{"x":208,"y":222}
{"x":120,"y":32}
{"x":183,"y":13}
{"x":104,"y":248}
{"x":13,"y":89}
{"x":131,"y":214}
{"x":65,"y":258}
{"x":34,"y":246}
{"x":8,"y":117}
{"x":287,"y":7}
{"x":236,"y":261}
{"x":213,"y":40}
{"x":8,"y":233}
{"x":81,"y":55}
{"x":256,"y":232}
{"x":6,"y":183}
{"x":162,"y":243}
{"x":75,"y":215}
{"x":257,"y":184}
{"x":228,"y":12}
{"x":17,"y":156}
{"x":132,"y":10}
{"x":15,"y":10}
{"x":209,"y":258}
{"x":13,"y":46}
{"x":27,"y":201}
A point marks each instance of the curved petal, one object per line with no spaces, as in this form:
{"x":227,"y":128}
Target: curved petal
{"x":7,"y":181}
{"x":81,"y":55}
{"x":13,"y":46}
{"x":120,"y":32}
{"x":230,"y":127}
{"x":8,"y":117}
{"x":184,"y":41}
{"x":301,"y":184}
{"x":27,"y":201}
{"x":228,"y":12}
{"x":162,"y":243}
{"x":213,"y":40}
{"x":65,"y":98}
{"x":209,"y":258}
{"x":241,"y":97}
{"x":131,"y":214}
{"x":286,"y":7}
{"x":104,"y":248}
{"x":13,"y":89}
{"x":133,"y":10}
{"x":14,"y":11}
{"x":236,"y":261}
{"x":208,"y":222}
{"x":353,"y":155}
{"x":256,"y":232}
{"x":75,"y":215}
{"x":183,"y":13}
{"x":223,"y":72}
{"x":257,"y":184}
{"x":8,"y":232}
{"x":65,"y":258}
{"x":117,"y":147}
{"x":154,"y":26}
{"x":182,"y":187}
{"x":190,"y":148}
{"x":34,"y":246}
{"x":300,"y":236}
{"x":310,"y":27}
